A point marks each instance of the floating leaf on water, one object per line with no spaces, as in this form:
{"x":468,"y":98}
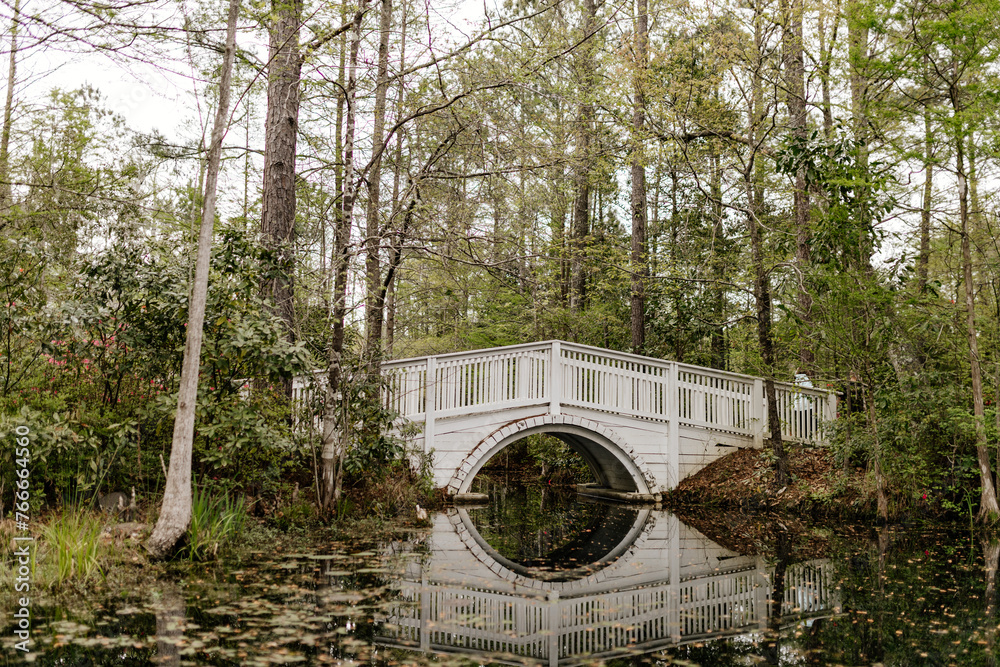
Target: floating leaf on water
{"x":220,"y":610}
{"x":126,"y":611}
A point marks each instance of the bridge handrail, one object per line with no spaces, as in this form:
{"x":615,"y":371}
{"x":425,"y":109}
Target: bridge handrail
{"x":613,"y":354}
{"x":396,"y":364}
{"x":605,"y":379}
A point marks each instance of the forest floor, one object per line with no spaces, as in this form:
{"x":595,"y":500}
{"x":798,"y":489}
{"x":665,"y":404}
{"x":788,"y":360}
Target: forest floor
{"x":744,"y":480}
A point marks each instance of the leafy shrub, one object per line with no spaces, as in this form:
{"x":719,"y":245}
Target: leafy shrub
{"x":102,"y":397}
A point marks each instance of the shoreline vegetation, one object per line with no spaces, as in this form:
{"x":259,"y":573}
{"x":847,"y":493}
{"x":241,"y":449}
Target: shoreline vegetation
{"x":80,"y":550}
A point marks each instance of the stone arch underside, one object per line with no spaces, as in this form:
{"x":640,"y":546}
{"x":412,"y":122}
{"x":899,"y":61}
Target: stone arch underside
{"x":612,"y":460}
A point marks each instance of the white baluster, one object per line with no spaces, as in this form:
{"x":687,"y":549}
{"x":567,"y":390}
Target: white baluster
{"x":430,"y":406}
{"x":555,"y":378}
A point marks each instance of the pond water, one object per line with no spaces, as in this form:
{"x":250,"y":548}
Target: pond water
{"x":540,"y":577}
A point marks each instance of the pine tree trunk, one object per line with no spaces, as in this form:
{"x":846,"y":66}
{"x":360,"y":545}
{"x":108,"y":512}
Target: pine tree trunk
{"x":640,"y":265}
{"x":794,"y":64}
{"x":175,"y":513}
{"x":375,"y":301}
{"x":581,"y":207}
{"x":281,"y":134}
{"x":8,"y":115}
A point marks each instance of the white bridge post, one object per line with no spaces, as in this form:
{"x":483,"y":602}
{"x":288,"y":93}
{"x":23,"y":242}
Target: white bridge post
{"x":831,"y":411}
{"x":674,"y":434}
{"x":674,"y":569}
{"x":430,"y":403}
{"x":556,"y":379}
{"x":758,"y":414}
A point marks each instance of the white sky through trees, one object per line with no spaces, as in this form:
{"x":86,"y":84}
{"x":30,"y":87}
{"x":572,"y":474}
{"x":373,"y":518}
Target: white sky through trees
{"x":154,"y":91}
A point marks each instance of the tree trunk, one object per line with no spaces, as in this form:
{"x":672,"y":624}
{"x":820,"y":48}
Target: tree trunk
{"x":8,"y":115}
{"x":923,"y":258}
{"x":281,"y":133}
{"x":375,"y":301}
{"x":794,"y":64}
{"x":762,"y":294}
{"x":338,"y":147}
{"x":754,"y":178}
{"x":825,"y":57}
{"x":175,"y":513}
{"x":334,"y":439}
{"x":857,"y":37}
{"x":581,"y":208}
{"x":718,"y":336}
{"x":989,"y":509}
{"x":390,"y":305}
{"x":640,"y":265}
{"x":558,"y":207}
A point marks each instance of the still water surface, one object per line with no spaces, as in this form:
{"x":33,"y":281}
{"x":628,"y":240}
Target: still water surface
{"x":537,"y":577}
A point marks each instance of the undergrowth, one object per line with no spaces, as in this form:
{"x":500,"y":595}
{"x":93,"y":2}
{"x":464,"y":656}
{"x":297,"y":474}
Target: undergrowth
{"x":216,"y":520}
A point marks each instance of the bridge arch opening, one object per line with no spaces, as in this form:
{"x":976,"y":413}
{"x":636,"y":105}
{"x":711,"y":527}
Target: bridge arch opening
{"x":611,"y":542}
{"x":606,"y":454}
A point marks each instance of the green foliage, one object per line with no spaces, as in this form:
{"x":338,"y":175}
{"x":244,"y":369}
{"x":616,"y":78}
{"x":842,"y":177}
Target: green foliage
{"x":73,"y":548}
{"x":217,"y":519}
{"x":23,"y":326}
{"x":103,"y":405}
{"x":856,"y":197}
{"x":553,"y":456}
{"x":299,"y":514}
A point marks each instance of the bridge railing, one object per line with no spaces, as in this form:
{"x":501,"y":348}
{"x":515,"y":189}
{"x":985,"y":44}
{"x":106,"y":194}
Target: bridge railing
{"x":526,"y":624}
{"x":557,"y":373}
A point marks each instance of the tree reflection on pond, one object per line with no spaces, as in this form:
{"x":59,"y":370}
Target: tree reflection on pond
{"x":542,"y":577}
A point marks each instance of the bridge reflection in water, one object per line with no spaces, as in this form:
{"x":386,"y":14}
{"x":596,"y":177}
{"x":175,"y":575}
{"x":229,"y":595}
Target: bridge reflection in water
{"x":659,"y":584}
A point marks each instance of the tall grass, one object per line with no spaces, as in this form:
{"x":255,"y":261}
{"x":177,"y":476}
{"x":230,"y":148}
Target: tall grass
{"x":215,"y":520}
{"x":73,"y":548}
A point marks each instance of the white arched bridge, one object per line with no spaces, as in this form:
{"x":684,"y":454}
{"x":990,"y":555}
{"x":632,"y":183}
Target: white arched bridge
{"x":641,"y":424}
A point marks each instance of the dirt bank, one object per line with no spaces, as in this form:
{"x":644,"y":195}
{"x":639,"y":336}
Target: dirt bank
{"x":744,"y":481}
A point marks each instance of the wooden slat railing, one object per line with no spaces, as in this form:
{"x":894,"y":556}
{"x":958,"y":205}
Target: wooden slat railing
{"x":557,"y":373}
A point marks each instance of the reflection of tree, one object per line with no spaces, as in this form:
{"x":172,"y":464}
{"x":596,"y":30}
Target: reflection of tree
{"x":169,"y":626}
{"x":991,"y":556}
{"x":782,"y":554}
{"x":540,"y":527}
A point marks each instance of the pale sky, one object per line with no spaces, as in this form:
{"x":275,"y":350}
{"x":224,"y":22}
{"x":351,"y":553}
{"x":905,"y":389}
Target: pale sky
{"x":150,"y":98}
